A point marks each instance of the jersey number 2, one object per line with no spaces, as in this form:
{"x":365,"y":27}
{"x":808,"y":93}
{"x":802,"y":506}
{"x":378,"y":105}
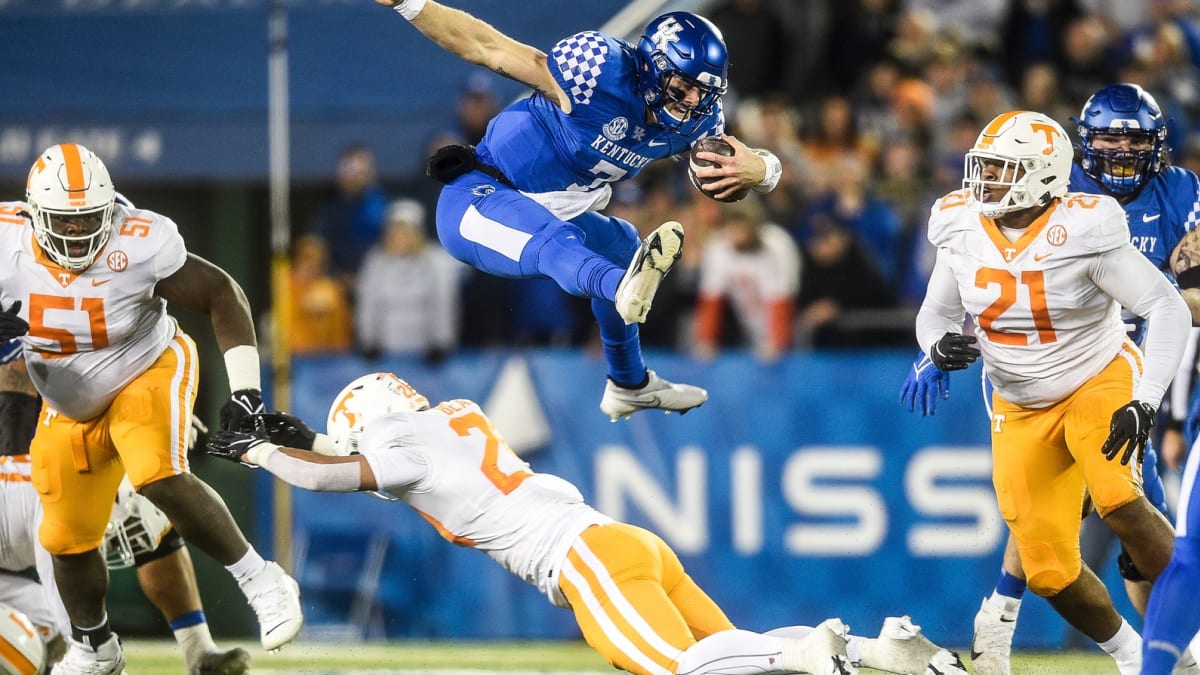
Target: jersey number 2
{"x":1035,"y":282}
{"x":493,"y":446}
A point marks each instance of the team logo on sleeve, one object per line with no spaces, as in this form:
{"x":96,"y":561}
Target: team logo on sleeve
{"x":616,"y":128}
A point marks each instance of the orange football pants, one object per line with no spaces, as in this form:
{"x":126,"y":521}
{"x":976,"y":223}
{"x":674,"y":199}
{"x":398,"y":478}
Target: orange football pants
{"x":1045,"y":458}
{"x":633,"y":601}
{"x":77,"y":466}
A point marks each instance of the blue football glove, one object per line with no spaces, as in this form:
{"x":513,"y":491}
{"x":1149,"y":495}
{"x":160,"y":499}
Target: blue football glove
{"x":925,"y":384}
{"x":10,"y":351}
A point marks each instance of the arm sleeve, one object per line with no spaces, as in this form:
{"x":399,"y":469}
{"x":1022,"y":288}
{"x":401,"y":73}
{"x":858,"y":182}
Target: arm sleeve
{"x":1130,"y":279}
{"x":941,"y":311}
{"x":340,"y":477}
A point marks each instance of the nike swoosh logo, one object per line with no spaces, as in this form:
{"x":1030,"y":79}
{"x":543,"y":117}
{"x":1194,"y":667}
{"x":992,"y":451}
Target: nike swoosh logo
{"x":655,"y":144}
{"x":1004,"y":620}
{"x":101,"y":282}
{"x":1040,"y":257}
{"x":975,"y":655}
{"x":1147,"y":218}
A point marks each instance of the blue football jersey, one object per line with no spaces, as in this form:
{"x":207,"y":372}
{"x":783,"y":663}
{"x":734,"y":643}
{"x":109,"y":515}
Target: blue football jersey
{"x":606,"y":138}
{"x":1167,"y":208}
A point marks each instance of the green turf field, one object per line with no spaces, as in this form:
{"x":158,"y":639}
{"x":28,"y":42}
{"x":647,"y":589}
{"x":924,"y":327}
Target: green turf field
{"x":476,"y":658}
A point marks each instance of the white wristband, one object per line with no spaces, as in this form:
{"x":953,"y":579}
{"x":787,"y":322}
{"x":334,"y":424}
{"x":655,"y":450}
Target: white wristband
{"x":774,"y":170}
{"x":409,"y":9}
{"x":258,"y":454}
{"x":241,"y":364}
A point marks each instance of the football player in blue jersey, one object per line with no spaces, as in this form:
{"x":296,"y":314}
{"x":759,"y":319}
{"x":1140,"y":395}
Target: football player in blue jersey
{"x":525,"y":202}
{"x":1123,"y":153}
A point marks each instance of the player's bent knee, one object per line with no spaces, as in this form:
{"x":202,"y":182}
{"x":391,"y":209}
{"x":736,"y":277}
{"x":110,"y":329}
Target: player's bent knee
{"x":62,"y":540}
{"x":1050,"y":582}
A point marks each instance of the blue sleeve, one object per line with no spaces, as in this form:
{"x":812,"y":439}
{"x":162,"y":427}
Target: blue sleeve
{"x":578,"y":62}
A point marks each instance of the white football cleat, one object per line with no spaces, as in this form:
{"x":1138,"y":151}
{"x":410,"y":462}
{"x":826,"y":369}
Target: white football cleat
{"x":992,"y":643}
{"x":620,"y":402}
{"x":821,"y":652}
{"x":275,"y":597}
{"x":81,"y":659}
{"x":654,"y":258}
{"x":902,"y":648}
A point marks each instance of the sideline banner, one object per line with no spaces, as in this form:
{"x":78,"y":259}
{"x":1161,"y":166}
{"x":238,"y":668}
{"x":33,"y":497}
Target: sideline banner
{"x":800,"y":491}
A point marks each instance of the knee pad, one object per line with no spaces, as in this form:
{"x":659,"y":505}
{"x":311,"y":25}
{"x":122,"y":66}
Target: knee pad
{"x":1049,"y":570}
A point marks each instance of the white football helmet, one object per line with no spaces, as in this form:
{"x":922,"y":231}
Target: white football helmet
{"x":22,"y":651}
{"x":365,"y":399}
{"x":135,"y":527}
{"x":66,"y":181}
{"x":1033,"y":155}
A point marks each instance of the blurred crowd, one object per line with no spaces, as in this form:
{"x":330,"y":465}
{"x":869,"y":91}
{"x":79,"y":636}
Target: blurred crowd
{"x":871,"y":113}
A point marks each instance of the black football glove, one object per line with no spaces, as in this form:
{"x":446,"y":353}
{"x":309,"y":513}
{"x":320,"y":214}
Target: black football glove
{"x":241,"y":404}
{"x":233,"y":445}
{"x":1129,"y":431}
{"x":281,"y":429}
{"x":954,"y":352}
{"x":11,"y":324}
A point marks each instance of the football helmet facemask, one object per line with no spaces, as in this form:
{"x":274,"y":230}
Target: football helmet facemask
{"x":21,"y":648}
{"x":71,"y":197}
{"x":1032,"y":156}
{"x":1122,"y":110}
{"x":136,"y":527}
{"x":680,"y":50}
{"x":365,"y":399}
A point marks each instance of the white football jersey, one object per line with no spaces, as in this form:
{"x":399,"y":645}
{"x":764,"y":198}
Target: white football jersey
{"x":1044,"y":326}
{"x":91,"y":332}
{"x":451,"y":465}
{"x":20,"y":516}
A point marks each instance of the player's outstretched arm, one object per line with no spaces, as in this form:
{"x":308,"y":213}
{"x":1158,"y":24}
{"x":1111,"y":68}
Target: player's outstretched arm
{"x":480,"y":43}
{"x":301,"y":468}
{"x":288,"y":431}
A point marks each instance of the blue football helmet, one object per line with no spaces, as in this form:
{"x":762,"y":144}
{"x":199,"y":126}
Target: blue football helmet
{"x":1122,"y":109}
{"x":684,"y":45}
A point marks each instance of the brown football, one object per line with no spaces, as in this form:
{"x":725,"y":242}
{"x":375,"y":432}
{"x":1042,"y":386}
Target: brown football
{"x":718,"y":146}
